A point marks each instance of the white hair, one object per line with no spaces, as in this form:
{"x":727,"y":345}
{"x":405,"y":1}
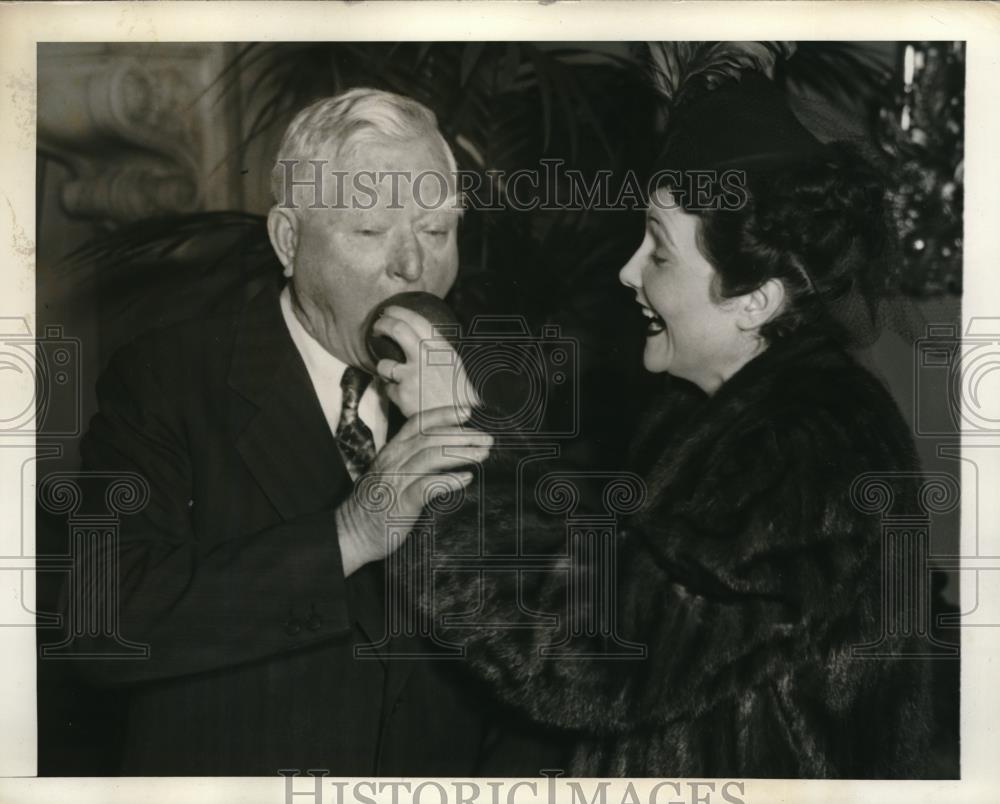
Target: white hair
{"x":358,"y":115}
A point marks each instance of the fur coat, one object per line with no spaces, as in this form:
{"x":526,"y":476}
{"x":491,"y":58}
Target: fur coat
{"x":747,"y":574}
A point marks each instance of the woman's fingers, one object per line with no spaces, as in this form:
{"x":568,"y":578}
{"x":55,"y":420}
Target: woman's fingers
{"x":420,"y":326}
{"x":386,"y":368}
{"x":404,"y":329}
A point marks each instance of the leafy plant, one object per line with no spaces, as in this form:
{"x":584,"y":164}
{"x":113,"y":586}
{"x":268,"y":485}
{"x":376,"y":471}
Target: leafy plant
{"x":683,"y":70}
{"x":496,"y":102}
{"x":845,"y":73}
{"x":502,"y":106}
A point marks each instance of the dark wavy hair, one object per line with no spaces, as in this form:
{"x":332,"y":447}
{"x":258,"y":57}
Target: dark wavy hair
{"x":821,"y":227}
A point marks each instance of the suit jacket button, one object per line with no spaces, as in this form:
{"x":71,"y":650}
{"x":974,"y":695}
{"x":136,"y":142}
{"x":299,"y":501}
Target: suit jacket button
{"x":293,"y":627}
{"x":314,"y":622}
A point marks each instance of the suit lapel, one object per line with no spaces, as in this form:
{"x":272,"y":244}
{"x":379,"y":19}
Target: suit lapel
{"x":286,"y":444}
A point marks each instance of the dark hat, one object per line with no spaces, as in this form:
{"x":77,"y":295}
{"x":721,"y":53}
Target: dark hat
{"x":743,"y":125}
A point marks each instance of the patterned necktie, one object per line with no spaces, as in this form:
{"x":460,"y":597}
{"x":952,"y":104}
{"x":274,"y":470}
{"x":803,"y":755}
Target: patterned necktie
{"x":353,"y":436}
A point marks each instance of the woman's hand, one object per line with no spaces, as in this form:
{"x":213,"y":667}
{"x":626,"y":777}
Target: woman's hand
{"x":410,"y":471}
{"x":432,"y":376}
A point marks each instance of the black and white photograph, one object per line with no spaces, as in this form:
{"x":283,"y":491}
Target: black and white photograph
{"x":403,"y":409}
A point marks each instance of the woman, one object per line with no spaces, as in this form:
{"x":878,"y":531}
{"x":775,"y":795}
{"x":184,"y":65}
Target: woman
{"x":747,"y":573}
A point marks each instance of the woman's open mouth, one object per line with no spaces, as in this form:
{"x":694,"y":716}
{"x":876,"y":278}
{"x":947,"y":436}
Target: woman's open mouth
{"x":655,"y":325}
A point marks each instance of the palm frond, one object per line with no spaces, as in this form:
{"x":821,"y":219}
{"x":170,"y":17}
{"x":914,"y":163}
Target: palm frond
{"x":159,"y":239}
{"x":682,"y":70}
{"x":501,"y":105}
{"x":841,"y":72}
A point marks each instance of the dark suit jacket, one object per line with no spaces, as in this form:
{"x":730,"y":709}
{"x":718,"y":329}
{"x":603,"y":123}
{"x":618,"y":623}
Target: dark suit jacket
{"x":232,"y":574}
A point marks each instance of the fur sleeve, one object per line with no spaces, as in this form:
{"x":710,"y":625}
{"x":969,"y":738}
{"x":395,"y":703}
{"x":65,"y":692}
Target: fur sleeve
{"x":747,"y":562}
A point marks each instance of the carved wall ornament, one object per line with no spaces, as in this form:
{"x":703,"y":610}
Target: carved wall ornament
{"x":131,"y":129}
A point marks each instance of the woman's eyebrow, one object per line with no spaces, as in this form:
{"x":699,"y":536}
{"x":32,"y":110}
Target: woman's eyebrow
{"x":660,"y":231}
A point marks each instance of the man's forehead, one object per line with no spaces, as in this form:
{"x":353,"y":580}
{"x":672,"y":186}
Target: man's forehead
{"x":382,"y":212}
{"x":378,"y":173}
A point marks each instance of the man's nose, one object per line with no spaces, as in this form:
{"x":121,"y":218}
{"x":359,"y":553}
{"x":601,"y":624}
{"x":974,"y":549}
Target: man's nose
{"x":407,"y":261}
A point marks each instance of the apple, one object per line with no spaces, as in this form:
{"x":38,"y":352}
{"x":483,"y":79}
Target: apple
{"x":434,"y":309}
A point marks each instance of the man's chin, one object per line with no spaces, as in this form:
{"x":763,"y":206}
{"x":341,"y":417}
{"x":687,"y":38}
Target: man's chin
{"x":360,"y":358}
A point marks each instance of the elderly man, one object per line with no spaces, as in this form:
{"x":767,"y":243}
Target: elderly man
{"x":254,"y":571}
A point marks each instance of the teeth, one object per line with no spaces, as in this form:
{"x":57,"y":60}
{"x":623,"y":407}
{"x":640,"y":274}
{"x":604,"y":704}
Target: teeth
{"x":655,"y":324}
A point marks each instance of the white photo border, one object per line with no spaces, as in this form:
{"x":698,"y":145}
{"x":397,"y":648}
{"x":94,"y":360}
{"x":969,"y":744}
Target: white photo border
{"x":24,"y":25}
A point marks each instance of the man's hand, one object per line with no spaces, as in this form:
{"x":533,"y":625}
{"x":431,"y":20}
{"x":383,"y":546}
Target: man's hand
{"x":411,"y":470}
{"x":432,"y":376}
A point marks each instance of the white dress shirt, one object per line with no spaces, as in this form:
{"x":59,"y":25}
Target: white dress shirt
{"x":325,"y":371}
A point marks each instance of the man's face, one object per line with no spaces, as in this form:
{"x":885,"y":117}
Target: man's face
{"x":346,"y":260}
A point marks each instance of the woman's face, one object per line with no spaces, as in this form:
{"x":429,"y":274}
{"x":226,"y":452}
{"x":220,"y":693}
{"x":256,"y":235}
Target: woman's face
{"x":689,"y":334}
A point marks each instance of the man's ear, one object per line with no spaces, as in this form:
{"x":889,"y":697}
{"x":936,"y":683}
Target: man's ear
{"x":283,"y":230}
{"x":761,"y":305}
